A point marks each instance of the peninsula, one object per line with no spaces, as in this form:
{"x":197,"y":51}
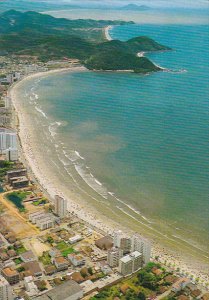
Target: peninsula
{"x":48,"y":38}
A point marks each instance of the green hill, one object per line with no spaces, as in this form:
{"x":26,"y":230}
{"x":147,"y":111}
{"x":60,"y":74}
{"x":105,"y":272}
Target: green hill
{"x":50,"y":38}
{"x":15,"y":21}
{"x":116,"y":60}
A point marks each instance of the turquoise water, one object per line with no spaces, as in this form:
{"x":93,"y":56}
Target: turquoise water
{"x":143,"y":138}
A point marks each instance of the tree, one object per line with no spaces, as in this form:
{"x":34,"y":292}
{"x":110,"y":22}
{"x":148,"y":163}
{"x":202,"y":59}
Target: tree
{"x":131,"y":295}
{"x":141,"y":296}
{"x":147,"y":280}
{"x":90,"y":271}
{"x":50,"y":240}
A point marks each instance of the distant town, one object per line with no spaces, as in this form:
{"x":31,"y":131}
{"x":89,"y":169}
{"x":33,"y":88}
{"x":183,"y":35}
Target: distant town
{"x":47,"y":252}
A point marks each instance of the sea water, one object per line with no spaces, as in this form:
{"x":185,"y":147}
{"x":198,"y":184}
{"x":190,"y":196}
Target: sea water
{"x":139,"y":142}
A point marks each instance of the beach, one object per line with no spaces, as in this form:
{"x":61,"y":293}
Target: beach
{"x":78,"y":204}
{"x":107,"y":34}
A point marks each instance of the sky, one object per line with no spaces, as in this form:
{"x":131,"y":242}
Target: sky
{"x":152,"y":3}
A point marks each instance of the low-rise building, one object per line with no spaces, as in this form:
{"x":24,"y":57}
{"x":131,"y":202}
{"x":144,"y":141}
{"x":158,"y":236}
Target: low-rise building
{"x":75,"y":239}
{"x":105,"y":243}
{"x":19,"y":182}
{"x":16,"y":173}
{"x":42,"y":220}
{"x":28,"y":256}
{"x":33,"y":268}
{"x":60,"y":263}
{"x":180,"y":284}
{"x":54,"y":252}
{"x":70,"y":290}
{"x":30,"y":286}
{"x":11,"y":253}
{"x":11,"y":275}
{"x":50,"y":270}
{"x":76,"y":260}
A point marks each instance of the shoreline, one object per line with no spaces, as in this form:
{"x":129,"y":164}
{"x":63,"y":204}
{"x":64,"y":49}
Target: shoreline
{"x":107,"y":34}
{"x":91,"y":216}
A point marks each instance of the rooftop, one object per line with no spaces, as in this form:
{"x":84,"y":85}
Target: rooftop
{"x":9,"y":272}
{"x":64,"y":291}
{"x":28,"y":255}
{"x":126,"y":259}
{"x":60,"y":260}
{"x":3,"y":281}
{"x":33,"y":267}
{"x":105,"y":242}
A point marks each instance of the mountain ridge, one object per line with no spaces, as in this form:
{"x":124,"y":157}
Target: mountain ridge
{"x":48,"y":38}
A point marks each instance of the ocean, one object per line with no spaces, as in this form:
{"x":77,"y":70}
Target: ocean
{"x":137,"y":144}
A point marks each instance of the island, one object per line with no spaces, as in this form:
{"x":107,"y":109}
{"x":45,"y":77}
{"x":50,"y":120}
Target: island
{"x":48,"y":38}
{"x":135,"y":7}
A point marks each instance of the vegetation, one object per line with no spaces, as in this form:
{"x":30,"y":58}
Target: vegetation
{"x":50,"y":240}
{"x":40,"y":202}
{"x":116,"y":60}
{"x":17,"y":198}
{"x":4,"y":167}
{"x":49,"y":38}
{"x":45,"y":259}
{"x":145,"y":284}
{"x":18,"y":261}
{"x":21,"y":250}
{"x":16,"y":22}
{"x":65,"y":249}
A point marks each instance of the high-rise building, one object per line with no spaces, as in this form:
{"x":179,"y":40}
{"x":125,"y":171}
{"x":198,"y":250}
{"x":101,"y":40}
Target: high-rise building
{"x":11,"y":154}
{"x":125,"y":245}
{"x":137,"y":260}
{"x":8,"y":139}
{"x":121,"y":241}
{"x":60,"y":206}
{"x":5,"y":289}
{"x":130,"y":263}
{"x":117,"y":237}
{"x":141,"y":245}
{"x":113,"y":257}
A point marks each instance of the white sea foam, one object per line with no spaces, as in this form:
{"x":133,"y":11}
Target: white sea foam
{"x":63,"y":161}
{"x":131,"y":208}
{"x":78,"y":154}
{"x":110,"y":193}
{"x":91,"y":181}
{"x":70,"y":155}
{"x":99,"y":183}
{"x":41,"y":112}
{"x":53,"y":128}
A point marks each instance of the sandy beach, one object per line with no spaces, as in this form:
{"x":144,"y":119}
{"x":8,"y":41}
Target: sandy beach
{"x":52,"y":185}
{"x":107,"y":34}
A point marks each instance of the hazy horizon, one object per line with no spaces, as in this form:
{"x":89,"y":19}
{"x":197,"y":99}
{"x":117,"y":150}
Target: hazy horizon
{"x":189,"y":4}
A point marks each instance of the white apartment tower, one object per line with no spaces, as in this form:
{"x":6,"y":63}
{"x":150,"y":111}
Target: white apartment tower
{"x":113,"y":257}
{"x":5,"y":289}
{"x":141,"y":245}
{"x":7,"y":140}
{"x":130,"y":263}
{"x":121,"y":241}
{"x":117,"y":237}
{"x":60,"y":206}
